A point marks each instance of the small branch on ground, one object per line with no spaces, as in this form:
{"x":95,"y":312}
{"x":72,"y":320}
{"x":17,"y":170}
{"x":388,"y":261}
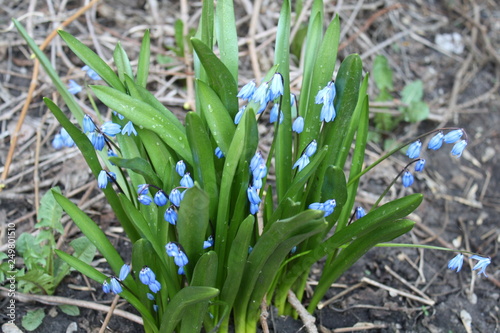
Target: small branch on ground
{"x":306,"y":317}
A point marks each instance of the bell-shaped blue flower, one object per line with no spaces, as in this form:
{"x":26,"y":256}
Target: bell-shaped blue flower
{"x":187,"y":181}
{"x":115,"y":286}
{"x":219,"y":153}
{"x":180,"y":168}
{"x":273,"y":114}
{"x":154,"y":286}
{"x":276,"y":86}
{"x":316,"y":206}
{"x":110,"y":128}
{"x":327,"y":113}
{"x":311,"y":148}
{"x":144,"y":199}
{"x":360,"y":212}
{"x":124,"y":272}
{"x":254,"y":208}
{"x":247,"y":91}
{"x":147,"y":276}
{"x":181,"y":259}
{"x":256,"y":161}
{"x":172,"y":249}
{"x":160,"y":198}
{"x":260,"y":94}
{"x":170,"y":216}
{"x":97,"y":140}
{"x":458,"y":148}
{"x":91,"y":73}
{"x":208,"y":243}
{"x":326,"y":95}
{"x":298,"y":125}
{"x":414,"y":149}
{"x":253,"y":197}
{"x":481,"y":264}
{"x":88,"y":124}
{"x":57,"y":142}
{"x":102,"y":179}
{"x":142,"y":189}
{"x":175,"y":197}
{"x":150,"y":296}
{"x":260,"y":172}
{"x":453,"y":136}
{"x":419,"y":166}
{"x":66,"y":138}
{"x":301,"y":163}
{"x":129,"y":129}
{"x":436,"y":141}
{"x":456,"y":263}
{"x":119,"y":115}
{"x":73,"y":87}
{"x":106,"y":287}
{"x":329,"y":206}
{"x":407,"y":179}
{"x":238,"y":116}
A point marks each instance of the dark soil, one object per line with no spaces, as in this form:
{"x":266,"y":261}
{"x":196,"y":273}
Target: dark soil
{"x":462,"y":200}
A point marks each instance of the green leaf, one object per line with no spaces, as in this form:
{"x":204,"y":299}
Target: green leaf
{"x":138,"y":165}
{"x":416,"y":111}
{"x":70,"y":310}
{"x":91,"y":59}
{"x":40,"y":282}
{"x":92,"y":231}
{"x":413,"y":92}
{"x":50,"y":213}
{"x":147,"y":116}
{"x":182,"y":302}
{"x":227,"y":40}
{"x":32,"y":319}
{"x":84,"y":249}
{"x":143,"y":63}
{"x":382,"y":73}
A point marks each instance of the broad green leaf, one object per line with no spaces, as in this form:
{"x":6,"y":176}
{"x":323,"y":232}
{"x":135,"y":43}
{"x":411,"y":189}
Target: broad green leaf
{"x":91,"y":59}
{"x":70,"y":310}
{"x":386,"y":231}
{"x":49,"y":214}
{"x":147,"y":116}
{"x":183,"y":301}
{"x":39,"y":282}
{"x":32,"y":319}
{"x":144,"y":61}
{"x":227,"y":40}
{"x":413,"y":92}
{"x":140,"y":166}
{"x":84,"y":249}
{"x":382,"y":73}
{"x":416,"y":111}
{"x":122,"y":62}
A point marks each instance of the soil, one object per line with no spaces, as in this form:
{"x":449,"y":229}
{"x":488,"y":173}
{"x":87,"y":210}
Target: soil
{"x":462,"y":200}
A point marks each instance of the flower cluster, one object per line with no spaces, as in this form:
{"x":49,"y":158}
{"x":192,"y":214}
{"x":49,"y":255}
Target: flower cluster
{"x":303,"y":160}
{"x":180,"y":258}
{"x":435,"y":143}
{"x":104,"y":178}
{"x":326,"y":96}
{"x":62,"y":139}
{"x":148,"y":277}
{"x":456,"y":263}
{"x":267,"y":92}
{"x":258,"y":170}
{"x":328,"y":206}
{"x":115,"y":283}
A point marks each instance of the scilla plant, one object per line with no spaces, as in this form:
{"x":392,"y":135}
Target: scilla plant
{"x":212,"y":236}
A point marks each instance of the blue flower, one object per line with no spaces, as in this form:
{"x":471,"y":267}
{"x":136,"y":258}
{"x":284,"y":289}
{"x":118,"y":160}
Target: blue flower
{"x":453,"y":136}
{"x":142,"y":189}
{"x":124,"y":272}
{"x":150,"y":296}
{"x":97,"y":140}
{"x":181,"y":259}
{"x":292,"y":99}
{"x":327,"y":113}
{"x":273,"y":114}
{"x":155,"y":286}
{"x":110,"y":128}
{"x":326,"y":95}
{"x":102,"y":179}
{"x":407,"y":179}
{"x":419,"y":166}
{"x":91,"y":73}
{"x":88,"y":124}
{"x":115,"y":286}
{"x":436,"y":141}
{"x":247,"y":91}
{"x":73,"y":87}
{"x":316,"y":206}
{"x":456,"y":263}
{"x":257,"y":183}
{"x":155,"y":307}
{"x":147,"y":276}
{"x":360,"y":212}
{"x":187,"y":181}
{"x":129,"y":129}
{"x":111,"y":153}
{"x":180,"y":167}
{"x":253,"y":197}
{"x":311,"y":148}
{"x":172,"y":249}
{"x":482,"y":263}
{"x":458,"y":148}
{"x":119,"y":115}
{"x":57,"y":142}
{"x":144,"y":199}
{"x":238,"y":116}
{"x":329,"y":206}
{"x":254,"y":208}
{"x":256,"y":161}
{"x":219,"y":153}
{"x":301,"y":163}
{"x":105,"y":287}
{"x":208,"y":243}
{"x":170,"y":216}
{"x":67,"y":140}
{"x":260,"y":172}
{"x":160,"y":198}
{"x":175,"y":197}
{"x":260,"y":94}
{"x":262,"y":107}
{"x":298,"y":125}
{"x":414,"y":149}
{"x":276,"y":86}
